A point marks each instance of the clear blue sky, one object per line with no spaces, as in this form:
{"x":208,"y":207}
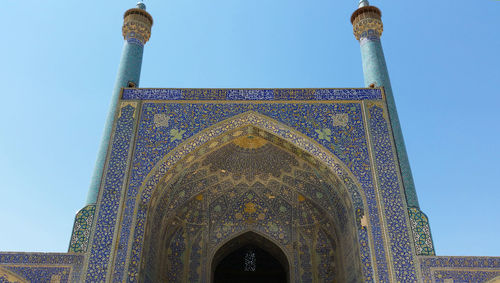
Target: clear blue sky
{"x":59,"y":62}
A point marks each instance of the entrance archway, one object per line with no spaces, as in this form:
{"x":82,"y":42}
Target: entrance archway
{"x":250,"y":180}
{"x":250,"y":258}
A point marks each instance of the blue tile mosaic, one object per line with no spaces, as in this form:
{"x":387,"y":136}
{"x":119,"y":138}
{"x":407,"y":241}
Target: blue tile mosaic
{"x":237,"y":122}
{"x":391,"y":196}
{"x":334,"y":132}
{"x":211,"y":114}
{"x":168,"y":131}
{"x":459,"y":269}
{"x":109,"y":200}
{"x":177,"y":134}
{"x":43,"y":267}
{"x":251,"y":94}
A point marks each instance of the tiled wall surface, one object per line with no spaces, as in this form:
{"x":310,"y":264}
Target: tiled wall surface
{"x":346,"y":130}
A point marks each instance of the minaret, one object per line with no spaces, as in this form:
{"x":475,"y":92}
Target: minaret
{"x":367,"y":26}
{"x":136,"y":32}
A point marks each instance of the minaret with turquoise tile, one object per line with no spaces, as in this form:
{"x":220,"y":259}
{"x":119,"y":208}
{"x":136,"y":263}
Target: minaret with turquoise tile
{"x":136,"y":32}
{"x":368,"y":28}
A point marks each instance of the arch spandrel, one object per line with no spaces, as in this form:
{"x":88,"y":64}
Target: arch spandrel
{"x":312,"y":150}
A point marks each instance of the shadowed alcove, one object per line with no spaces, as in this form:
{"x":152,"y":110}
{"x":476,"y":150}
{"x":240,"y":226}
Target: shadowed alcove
{"x":250,"y":258}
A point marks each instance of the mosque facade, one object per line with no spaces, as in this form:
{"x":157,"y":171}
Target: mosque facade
{"x":251,"y":185}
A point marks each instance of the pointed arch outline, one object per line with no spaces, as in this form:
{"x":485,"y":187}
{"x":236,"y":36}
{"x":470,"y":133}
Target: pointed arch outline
{"x":284,"y":251}
{"x":249,"y":118}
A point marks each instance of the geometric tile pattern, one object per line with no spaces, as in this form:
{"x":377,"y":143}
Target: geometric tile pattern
{"x":391,"y":195}
{"x":81,"y":229}
{"x":315,"y":120}
{"x":40,"y":267}
{"x":421,"y":232}
{"x":156,"y":141}
{"x":230,"y":189}
{"x":109,"y":199}
{"x":459,"y":269}
{"x":343,"y":135}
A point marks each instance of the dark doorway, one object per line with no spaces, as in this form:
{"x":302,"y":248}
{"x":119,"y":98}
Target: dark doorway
{"x":250,"y":264}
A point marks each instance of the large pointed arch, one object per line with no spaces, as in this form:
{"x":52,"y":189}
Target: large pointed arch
{"x":210,"y":138}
